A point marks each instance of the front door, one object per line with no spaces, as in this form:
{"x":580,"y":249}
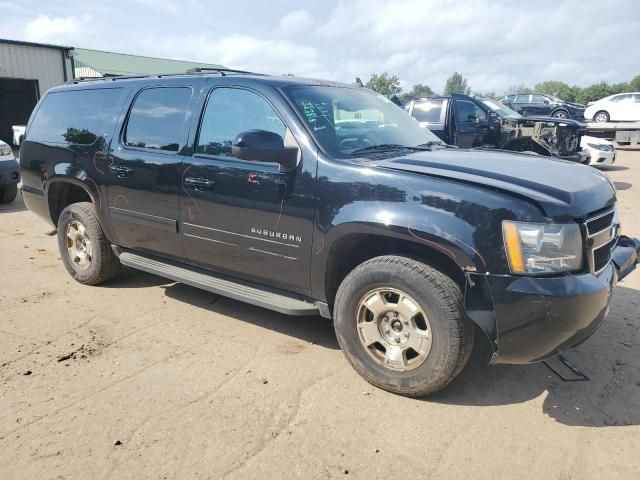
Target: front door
{"x":539,"y":105}
{"x":471,"y":123}
{"x":144,"y":167}
{"x":244,"y":218}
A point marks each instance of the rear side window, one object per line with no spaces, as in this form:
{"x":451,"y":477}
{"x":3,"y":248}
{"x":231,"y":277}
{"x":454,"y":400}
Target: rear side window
{"x":619,"y":98}
{"x":74,"y":116}
{"x":157,"y":118}
{"x":428,"y":111}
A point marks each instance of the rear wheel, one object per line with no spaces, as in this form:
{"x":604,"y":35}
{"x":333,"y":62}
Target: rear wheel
{"x":601,"y":117}
{"x":401,"y":325}
{"x":8,"y":192}
{"x":84,"y":248}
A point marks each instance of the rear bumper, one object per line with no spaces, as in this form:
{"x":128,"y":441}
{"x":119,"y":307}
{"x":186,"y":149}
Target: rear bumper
{"x":536,"y":318}
{"x":9,"y":172}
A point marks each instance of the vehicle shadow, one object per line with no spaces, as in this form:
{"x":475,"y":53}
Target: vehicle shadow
{"x":132,"y":278}
{"x":313,"y":329}
{"x":612,"y":168}
{"x":611,"y":396}
{"x":622,"y":185}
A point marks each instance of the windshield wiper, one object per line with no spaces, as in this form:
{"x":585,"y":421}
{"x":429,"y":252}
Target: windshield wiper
{"x":439,"y":143}
{"x":389,"y":146}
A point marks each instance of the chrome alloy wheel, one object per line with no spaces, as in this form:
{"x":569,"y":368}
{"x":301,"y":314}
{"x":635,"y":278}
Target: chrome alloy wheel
{"x":79,"y":245}
{"x":601,"y":118}
{"x":393,"y":329}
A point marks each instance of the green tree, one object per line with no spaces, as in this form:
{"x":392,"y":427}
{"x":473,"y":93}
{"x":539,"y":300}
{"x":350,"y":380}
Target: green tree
{"x":489,"y":94}
{"x":514,"y":89}
{"x":558,"y":89}
{"x":385,"y":84}
{"x":417,"y":91}
{"x":456,"y":83}
{"x":634,"y":84}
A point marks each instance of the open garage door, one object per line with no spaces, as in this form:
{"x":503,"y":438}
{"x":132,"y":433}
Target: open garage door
{"x":18,"y":97}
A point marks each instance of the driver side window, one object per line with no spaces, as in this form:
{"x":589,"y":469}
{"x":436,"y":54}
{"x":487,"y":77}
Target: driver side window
{"x":230,"y":111}
{"x":468,"y":111}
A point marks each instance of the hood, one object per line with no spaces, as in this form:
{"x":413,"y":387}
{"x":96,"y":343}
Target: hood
{"x":561,"y":189}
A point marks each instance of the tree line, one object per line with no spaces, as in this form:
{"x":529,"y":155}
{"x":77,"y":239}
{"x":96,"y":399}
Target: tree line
{"x":389,"y":85}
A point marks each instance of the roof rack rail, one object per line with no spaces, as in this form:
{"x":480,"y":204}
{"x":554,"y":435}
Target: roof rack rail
{"x":221,"y":71}
{"x":105,"y":79}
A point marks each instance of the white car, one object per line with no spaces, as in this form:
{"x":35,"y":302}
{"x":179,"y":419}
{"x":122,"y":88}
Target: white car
{"x":18,"y":133}
{"x":602,"y":152}
{"x":622,"y":107}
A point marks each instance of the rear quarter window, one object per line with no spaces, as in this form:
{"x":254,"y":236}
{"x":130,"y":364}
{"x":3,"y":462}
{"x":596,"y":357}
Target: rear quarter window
{"x":74,"y":116}
{"x":428,"y":111}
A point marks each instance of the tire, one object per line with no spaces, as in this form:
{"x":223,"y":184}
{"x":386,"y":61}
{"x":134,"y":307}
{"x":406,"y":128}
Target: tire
{"x":81,"y":236}
{"x":601,"y":117}
{"x":436,"y":295}
{"x":560,"y":114}
{"x":8,"y":192}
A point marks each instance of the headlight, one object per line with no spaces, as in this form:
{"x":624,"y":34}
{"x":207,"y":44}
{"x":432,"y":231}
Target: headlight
{"x":5,"y":150}
{"x":600,"y":146}
{"x":542,"y":247}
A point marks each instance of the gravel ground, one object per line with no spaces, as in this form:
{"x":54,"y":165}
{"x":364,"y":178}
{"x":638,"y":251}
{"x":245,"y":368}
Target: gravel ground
{"x":144,"y":378}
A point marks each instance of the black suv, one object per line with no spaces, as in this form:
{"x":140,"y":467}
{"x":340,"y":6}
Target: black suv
{"x":544,"y":105}
{"x":310,"y":197}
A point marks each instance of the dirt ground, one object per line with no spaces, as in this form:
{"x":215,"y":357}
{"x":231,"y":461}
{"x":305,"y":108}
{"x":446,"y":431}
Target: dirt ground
{"x":163,"y":381}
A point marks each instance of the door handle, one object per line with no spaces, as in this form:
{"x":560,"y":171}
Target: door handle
{"x":198,"y":183}
{"x":121,"y":171}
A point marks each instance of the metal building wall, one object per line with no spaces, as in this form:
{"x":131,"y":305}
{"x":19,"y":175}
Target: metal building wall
{"x":35,"y":62}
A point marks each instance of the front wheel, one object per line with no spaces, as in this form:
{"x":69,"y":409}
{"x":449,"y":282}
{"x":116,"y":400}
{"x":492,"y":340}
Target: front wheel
{"x":401,"y":325}
{"x":560,"y":114}
{"x":84,"y":248}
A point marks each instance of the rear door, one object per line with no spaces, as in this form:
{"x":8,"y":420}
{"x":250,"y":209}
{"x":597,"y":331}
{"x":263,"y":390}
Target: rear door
{"x":144,"y":167}
{"x":521,"y":104}
{"x":539,"y":105}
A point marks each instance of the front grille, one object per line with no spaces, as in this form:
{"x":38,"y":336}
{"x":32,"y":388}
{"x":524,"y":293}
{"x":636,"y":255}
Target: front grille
{"x":601,"y":257}
{"x":602,"y":238}
{"x":599,"y":223}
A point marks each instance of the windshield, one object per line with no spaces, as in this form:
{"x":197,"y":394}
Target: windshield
{"x":502,"y":110}
{"x":345,"y":120}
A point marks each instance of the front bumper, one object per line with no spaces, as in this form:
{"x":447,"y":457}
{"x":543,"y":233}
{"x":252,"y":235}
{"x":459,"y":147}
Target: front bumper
{"x":9,"y":171}
{"x":530,"y":319}
{"x":577,"y":157}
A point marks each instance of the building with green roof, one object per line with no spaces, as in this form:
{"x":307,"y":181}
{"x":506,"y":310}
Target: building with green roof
{"x":96,"y":63}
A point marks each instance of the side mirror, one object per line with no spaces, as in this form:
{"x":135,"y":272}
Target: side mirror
{"x":264,"y":146}
{"x":473,"y":118}
{"x":546,"y":102}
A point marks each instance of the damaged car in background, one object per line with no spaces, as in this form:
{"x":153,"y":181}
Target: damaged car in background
{"x":470,"y":122}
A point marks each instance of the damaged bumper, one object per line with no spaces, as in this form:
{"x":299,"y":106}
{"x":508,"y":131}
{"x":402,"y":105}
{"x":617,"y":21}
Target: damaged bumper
{"x":529,"y":319}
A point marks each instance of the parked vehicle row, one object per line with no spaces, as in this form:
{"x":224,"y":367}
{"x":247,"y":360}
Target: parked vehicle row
{"x":312,"y":197}
{"x":468,"y":122}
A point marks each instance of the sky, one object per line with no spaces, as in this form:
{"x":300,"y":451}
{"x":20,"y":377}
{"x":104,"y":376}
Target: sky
{"x":494,"y":44}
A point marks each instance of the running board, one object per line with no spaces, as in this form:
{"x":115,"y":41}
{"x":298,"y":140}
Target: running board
{"x":243,"y":292}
